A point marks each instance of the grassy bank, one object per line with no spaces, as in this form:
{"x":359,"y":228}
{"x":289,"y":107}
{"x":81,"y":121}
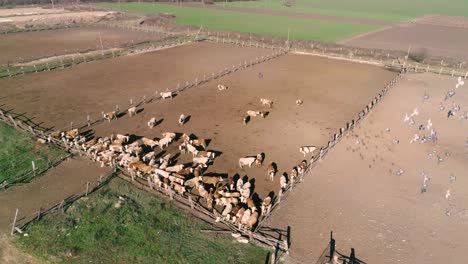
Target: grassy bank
{"x":144,"y":229}
{"x":18,"y":149}
{"x":278,"y":26}
{"x":396,"y":10}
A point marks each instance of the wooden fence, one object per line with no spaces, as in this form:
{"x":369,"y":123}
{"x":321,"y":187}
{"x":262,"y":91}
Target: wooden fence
{"x":19,"y":225}
{"x":180,"y":87}
{"x":186,"y":201}
{"x":282,"y":194}
{"x":67,"y":61}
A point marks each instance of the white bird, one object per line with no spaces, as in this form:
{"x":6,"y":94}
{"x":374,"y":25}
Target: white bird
{"x":406,"y":119}
{"x":447,"y":194}
{"x":429,"y":124}
{"x":415,"y":112}
{"x":415,"y":138}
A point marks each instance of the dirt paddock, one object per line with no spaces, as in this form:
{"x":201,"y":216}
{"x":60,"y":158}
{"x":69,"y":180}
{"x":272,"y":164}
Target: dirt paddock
{"x":359,"y":192}
{"x":436,"y":40}
{"x":332,"y":91}
{"x":59,"y":97}
{"x":28,"y":46}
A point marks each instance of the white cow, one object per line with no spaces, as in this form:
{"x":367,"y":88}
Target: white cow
{"x":152,"y":122}
{"x":222,"y":87}
{"x":307,"y":149}
{"x":166,"y":95}
{"x":266,"y":102}
{"x":182,"y":119}
{"x":246,"y":161}
{"x":132,"y":111}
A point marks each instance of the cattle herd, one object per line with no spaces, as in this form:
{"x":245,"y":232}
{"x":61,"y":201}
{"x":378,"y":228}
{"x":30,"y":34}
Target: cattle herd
{"x":230,"y":198}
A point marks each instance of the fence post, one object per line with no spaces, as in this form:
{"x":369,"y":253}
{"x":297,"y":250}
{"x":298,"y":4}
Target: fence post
{"x":191,"y":202}
{"x":48,"y":66}
{"x":35,"y":68}
{"x":14,"y":223}
{"x":61,"y":206}
{"x":280,"y":193}
{"x":466,"y":74}
{"x":88,"y":120}
{"x":441,"y":70}
{"x":13,"y":120}
{"x":87,"y":188}
{"x":33,"y":167}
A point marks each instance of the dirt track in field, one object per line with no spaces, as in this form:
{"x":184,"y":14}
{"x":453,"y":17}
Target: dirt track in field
{"x":435,"y":40}
{"x":28,"y":46}
{"x":332,"y":91}
{"x":337,"y":19}
{"x":67,"y":179}
{"x":59,"y":97}
{"x":356,"y":193}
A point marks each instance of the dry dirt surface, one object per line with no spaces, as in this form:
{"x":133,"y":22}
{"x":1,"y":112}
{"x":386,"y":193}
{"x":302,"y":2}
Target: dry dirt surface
{"x":53,"y":18}
{"x":368,"y":189}
{"x":332,"y":91}
{"x":449,"y":21}
{"x":28,"y":11}
{"x":67,"y":179}
{"x":435,"y":40}
{"x":28,"y":46}
{"x":59,"y":97}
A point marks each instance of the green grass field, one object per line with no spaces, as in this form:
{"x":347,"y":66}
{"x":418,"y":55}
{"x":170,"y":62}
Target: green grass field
{"x":394,"y":10}
{"x":17,"y":151}
{"x":305,"y":29}
{"x":144,"y":229}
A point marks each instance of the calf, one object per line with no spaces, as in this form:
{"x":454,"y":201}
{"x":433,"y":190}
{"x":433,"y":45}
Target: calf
{"x":266,"y":204}
{"x":166,"y":95}
{"x":198,"y":142}
{"x":246,"y":161}
{"x":266,"y":102}
{"x":253,"y":113}
{"x":164,"y":142}
{"x":222,"y":87}
{"x":299,"y":102}
{"x":175,"y":168}
{"x":245,"y":120}
{"x":201,"y":160}
{"x":271,"y":171}
{"x":211,"y":179}
{"x":283,"y":182}
{"x":259,"y":160}
{"x":132,"y":111}
{"x":182,"y":119}
{"x":252,"y":220}
{"x":307,"y":149}
{"x":207,"y":154}
{"x":149,"y":142}
{"x":110,"y":116}
{"x":152,"y":122}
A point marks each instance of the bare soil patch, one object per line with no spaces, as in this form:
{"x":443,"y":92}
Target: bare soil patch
{"x":28,"y":46}
{"x":448,"y":21}
{"x":357,"y":193}
{"x":436,"y":40}
{"x":66,"y":179}
{"x":332,"y":91}
{"x":59,"y":97}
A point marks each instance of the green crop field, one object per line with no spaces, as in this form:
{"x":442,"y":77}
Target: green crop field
{"x":140,"y":229}
{"x":394,"y":10}
{"x":17,"y":150}
{"x":305,"y":29}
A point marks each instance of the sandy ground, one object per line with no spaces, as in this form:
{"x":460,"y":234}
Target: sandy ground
{"x":290,"y":14}
{"x":332,"y":91}
{"x":357,"y":192}
{"x":28,"y":46}
{"x":27,"y":11}
{"x":59,"y":97}
{"x":51,"y":18}
{"x":67,"y":179}
{"x":436,"y":40}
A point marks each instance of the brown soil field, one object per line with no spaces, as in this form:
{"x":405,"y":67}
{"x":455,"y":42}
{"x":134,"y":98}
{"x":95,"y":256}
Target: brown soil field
{"x":449,"y":21}
{"x":356,"y":191}
{"x":28,"y":46}
{"x":27,"y":11}
{"x":59,"y":97}
{"x":67,"y":179}
{"x":332,"y":91}
{"x":435,"y":40}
